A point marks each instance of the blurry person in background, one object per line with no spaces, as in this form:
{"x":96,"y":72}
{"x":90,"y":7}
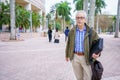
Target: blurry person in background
{"x":66,"y":33}
{"x":56,"y":36}
{"x":50,"y":34}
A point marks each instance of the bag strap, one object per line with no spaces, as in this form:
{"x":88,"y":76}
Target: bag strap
{"x":90,"y":41}
{"x":90,"y":35}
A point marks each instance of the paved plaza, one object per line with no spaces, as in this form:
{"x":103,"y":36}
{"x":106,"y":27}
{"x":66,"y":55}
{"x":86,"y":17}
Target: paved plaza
{"x":37,"y":59}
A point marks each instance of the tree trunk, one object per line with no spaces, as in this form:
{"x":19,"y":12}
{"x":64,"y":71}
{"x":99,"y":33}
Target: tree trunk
{"x":118,"y":20}
{"x":63,"y":23}
{"x":12,"y":20}
{"x":97,"y":23}
{"x":85,"y":6}
{"x":92,"y":13}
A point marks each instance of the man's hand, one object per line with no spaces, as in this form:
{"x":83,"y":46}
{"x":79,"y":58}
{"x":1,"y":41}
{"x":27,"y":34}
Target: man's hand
{"x":67,"y":59}
{"x":95,"y":55}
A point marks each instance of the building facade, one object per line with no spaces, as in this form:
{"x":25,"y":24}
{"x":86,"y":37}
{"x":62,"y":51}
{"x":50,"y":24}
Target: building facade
{"x":37,"y":6}
{"x":34,"y":6}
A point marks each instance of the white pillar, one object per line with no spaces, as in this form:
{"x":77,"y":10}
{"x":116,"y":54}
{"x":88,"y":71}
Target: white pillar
{"x":39,"y":29}
{"x":29,"y":8}
{"x":44,"y":23}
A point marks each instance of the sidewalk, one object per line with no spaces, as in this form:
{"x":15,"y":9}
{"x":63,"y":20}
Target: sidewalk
{"x":37,"y":59}
{"x":110,"y":57}
{"x":5,"y":36}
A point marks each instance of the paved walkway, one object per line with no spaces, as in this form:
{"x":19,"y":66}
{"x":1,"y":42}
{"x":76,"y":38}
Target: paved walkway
{"x":37,"y":59}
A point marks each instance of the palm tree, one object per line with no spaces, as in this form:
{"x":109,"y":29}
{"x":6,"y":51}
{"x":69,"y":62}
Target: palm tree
{"x":118,"y":21}
{"x":12,"y":20}
{"x":57,"y":25}
{"x":4,"y":14}
{"x":63,"y":9}
{"x":95,"y":8}
{"x":68,"y":20}
{"x":35,"y":20}
{"x":99,"y":5}
{"x":22,"y":17}
{"x":83,"y":5}
{"x":78,"y":4}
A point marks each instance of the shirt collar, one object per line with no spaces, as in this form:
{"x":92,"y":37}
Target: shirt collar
{"x":83,"y":29}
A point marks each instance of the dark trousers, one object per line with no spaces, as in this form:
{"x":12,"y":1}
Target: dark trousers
{"x":50,"y":37}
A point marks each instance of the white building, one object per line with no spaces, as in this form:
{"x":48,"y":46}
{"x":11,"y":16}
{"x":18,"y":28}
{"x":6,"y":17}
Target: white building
{"x":32,"y":5}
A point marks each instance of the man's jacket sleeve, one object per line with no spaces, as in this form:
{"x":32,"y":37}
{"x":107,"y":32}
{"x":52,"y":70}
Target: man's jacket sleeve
{"x":67,"y":46}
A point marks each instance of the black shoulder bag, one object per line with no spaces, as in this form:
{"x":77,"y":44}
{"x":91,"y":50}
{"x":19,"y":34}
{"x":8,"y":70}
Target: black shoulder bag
{"x":96,"y":66}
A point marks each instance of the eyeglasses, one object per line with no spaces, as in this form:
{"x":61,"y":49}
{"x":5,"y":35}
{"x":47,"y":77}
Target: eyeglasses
{"x":80,"y":17}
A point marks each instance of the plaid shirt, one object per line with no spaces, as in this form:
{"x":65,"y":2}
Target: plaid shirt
{"x":79,"y":40}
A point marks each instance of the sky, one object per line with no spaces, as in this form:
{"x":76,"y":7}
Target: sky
{"x":110,"y":9}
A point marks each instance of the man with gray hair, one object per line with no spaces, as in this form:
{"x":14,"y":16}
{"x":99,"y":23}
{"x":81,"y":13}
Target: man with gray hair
{"x":77,"y":48}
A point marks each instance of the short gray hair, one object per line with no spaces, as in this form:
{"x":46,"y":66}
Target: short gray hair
{"x":82,"y":11}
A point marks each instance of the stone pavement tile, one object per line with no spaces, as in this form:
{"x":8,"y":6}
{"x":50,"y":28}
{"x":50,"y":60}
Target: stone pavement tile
{"x":112,"y":78}
{"x":5,"y":36}
{"x":110,"y":57}
{"x":37,"y":59}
